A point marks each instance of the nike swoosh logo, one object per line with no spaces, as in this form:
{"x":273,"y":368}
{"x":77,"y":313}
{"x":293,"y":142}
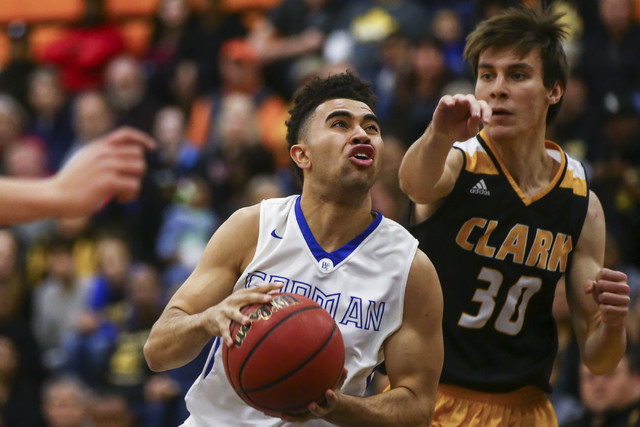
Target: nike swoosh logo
{"x":273,"y":233}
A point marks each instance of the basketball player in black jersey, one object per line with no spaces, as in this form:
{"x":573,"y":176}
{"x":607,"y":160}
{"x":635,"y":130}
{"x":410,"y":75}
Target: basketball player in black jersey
{"x":503,"y":215}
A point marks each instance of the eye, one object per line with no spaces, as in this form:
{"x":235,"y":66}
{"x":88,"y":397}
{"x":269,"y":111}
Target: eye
{"x":339,"y":123}
{"x":484,"y":76}
{"x":372,"y":127}
{"x":518,"y":76}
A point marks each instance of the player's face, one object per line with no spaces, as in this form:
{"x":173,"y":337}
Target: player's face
{"x":342,"y":146}
{"x":513,"y":87}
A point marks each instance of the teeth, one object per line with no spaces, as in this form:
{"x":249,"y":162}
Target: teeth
{"x":361,"y":156}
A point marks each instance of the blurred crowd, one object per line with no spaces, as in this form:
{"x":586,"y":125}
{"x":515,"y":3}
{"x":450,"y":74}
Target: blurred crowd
{"x":212,"y":86}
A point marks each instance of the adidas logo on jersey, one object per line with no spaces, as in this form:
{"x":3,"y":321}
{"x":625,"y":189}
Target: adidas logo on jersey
{"x":480,"y":188}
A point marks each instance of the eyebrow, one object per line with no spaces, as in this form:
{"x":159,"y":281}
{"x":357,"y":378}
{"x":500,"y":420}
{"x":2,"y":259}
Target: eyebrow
{"x":516,"y":66}
{"x":340,"y":113}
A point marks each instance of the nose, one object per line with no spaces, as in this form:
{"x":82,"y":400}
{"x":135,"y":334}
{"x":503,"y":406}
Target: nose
{"x":360,"y":136}
{"x":498,"y":89}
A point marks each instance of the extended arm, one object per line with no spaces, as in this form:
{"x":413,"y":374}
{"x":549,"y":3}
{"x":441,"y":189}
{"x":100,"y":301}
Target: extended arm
{"x":204,"y":306}
{"x":112,"y":166}
{"x":413,"y":357}
{"x":430,"y":167}
{"x":598,"y":297}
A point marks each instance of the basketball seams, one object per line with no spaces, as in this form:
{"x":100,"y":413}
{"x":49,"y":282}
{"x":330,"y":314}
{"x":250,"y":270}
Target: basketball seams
{"x":264,"y":337}
{"x":321,"y":348}
{"x":271,"y":355}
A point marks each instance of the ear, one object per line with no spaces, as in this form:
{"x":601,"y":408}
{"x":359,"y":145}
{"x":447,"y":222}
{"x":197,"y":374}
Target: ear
{"x":555,"y":94}
{"x":300,"y":156}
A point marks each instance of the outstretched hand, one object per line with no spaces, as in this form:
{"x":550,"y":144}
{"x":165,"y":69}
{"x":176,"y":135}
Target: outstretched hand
{"x":611,"y":292}
{"x":111,"y":167}
{"x":458,"y":117}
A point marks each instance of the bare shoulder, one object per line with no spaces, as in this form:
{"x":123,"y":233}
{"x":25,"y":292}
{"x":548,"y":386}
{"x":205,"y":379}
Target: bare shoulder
{"x":593,"y":229}
{"x":239,"y":233}
{"x":423,"y":284}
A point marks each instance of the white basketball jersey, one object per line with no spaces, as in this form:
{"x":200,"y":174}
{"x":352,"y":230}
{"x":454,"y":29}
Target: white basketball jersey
{"x":361,"y":285}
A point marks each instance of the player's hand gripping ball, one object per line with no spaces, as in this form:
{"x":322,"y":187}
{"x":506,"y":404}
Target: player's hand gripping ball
{"x":287,"y":357}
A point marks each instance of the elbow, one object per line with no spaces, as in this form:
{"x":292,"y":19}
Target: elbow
{"x":406,"y":186}
{"x":151,"y":358}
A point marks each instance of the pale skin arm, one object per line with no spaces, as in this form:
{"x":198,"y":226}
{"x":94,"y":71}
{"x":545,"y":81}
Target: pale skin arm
{"x":430,"y":166}
{"x":204,"y":306}
{"x":112,"y":166}
{"x":413,"y":357}
{"x":598,"y":297}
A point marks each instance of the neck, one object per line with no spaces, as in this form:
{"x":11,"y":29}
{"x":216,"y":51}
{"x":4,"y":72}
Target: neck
{"x":335,"y":222}
{"x":527,"y":161}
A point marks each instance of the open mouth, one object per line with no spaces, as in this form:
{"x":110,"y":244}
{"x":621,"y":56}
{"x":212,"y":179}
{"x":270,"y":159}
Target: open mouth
{"x":362,"y":155}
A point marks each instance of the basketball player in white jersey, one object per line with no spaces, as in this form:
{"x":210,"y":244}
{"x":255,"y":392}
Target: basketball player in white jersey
{"x":328,"y":245}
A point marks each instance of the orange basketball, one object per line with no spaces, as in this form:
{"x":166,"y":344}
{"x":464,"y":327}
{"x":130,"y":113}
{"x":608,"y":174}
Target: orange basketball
{"x":287,"y":357}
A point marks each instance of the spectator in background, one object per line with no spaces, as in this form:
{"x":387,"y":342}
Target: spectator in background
{"x":13,"y":75}
{"x":175,"y":41}
{"x":216,"y":25}
{"x":110,"y":410}
{"x":66,"y":403}
{"x":574,"y":125}
{"x":363,"y":25}
{"x":612,"y":400}
{"x":90,"y":347}
{"x":177,"y":156}
{"x":418,"y":94}
{"x":610,"y":61}
{"x":188,"y":224}
{"x":57,"y":302}
{"x":262,"y":187}
{"x":448,"y":29}
{"x":12,"y":121}
{"x":85,"y":49}
{"x":616,"y":176}
{"x":385,"y":193}
{"x":19,"y":395}
{"x":27,"y":159}
{"x":127,"y":371}
{"x":289,"y":32}
{"x":239,"y":152}
{"x":125,"y":88}
{"x":92,"y":119}
{"x":50,"y":117}
{"x":241,"y":74}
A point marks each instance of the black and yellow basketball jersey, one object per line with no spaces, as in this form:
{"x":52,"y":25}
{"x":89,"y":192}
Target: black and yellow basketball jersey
{"x":499,"y":255}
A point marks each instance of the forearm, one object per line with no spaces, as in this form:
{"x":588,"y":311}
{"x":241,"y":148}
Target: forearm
{"x":604,"y":347}
{"x":175,"y":340}
{"x":397,"y":407}
{"x":26,"y":200}
{"x":423,"y":166}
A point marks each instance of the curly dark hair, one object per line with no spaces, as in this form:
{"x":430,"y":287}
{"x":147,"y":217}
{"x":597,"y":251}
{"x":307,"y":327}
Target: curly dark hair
{"x":306,"y":99}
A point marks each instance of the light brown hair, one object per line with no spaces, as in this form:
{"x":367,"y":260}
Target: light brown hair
{"x":525,"y":29}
